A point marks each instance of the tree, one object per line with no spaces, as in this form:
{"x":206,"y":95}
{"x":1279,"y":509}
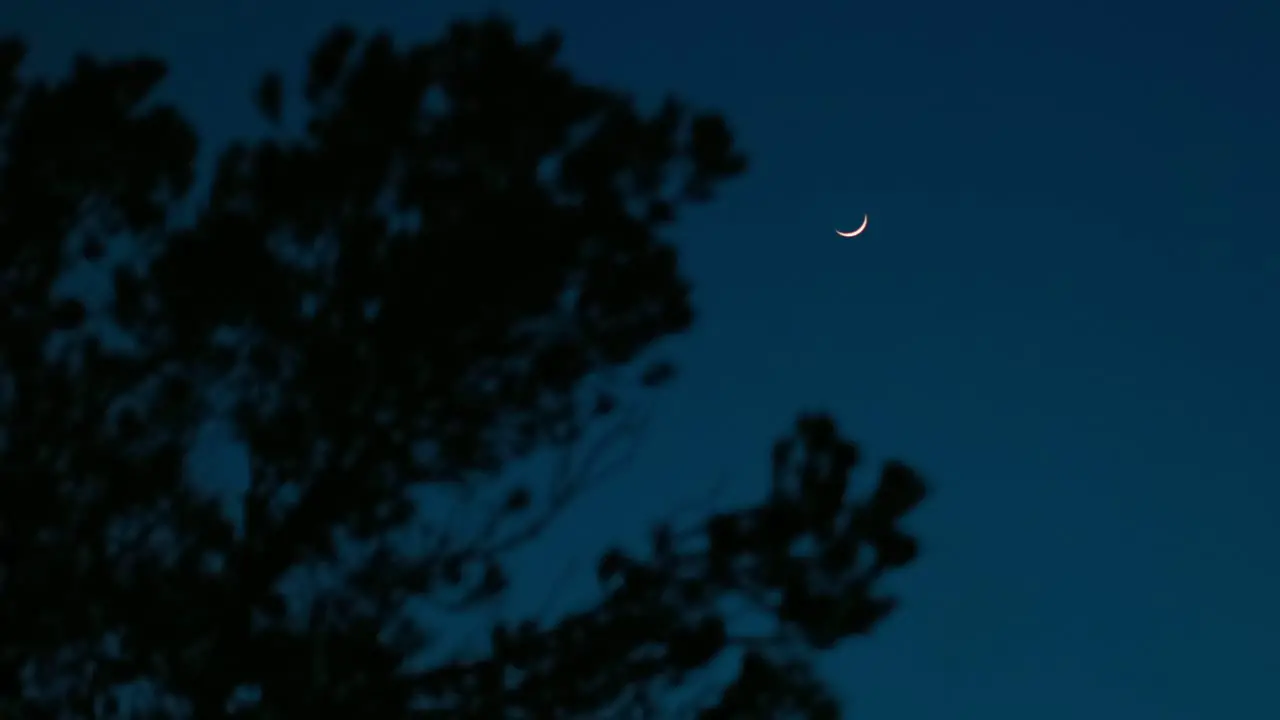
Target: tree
{"x":353,"y":298}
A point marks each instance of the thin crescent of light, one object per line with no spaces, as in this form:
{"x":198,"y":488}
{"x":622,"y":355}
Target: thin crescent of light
{"x":861,"y":227}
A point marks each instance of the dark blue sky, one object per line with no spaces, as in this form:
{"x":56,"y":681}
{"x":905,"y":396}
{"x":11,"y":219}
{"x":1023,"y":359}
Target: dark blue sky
{"x":1065,"y":309}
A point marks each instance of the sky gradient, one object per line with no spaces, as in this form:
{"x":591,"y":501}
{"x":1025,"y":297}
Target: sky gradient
{"x":1065,"y":310}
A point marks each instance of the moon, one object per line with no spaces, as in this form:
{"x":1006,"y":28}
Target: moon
{"x":861,"y":227}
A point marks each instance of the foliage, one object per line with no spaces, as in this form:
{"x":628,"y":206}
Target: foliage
{"x":453,"y":263}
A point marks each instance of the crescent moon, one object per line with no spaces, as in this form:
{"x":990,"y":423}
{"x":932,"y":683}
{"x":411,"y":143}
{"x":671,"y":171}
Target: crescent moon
{"x":861,"y":227}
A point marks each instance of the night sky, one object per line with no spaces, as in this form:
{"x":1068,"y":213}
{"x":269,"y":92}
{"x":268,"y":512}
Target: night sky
{"x":1064,"y":310}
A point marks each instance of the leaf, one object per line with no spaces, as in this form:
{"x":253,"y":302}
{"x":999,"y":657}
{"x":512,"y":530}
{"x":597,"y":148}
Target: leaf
{"x":68,"y":314}
{"x":270,"y":97}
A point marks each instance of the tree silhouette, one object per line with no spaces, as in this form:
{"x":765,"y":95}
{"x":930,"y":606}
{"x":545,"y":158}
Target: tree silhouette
{"x":454,"y":262}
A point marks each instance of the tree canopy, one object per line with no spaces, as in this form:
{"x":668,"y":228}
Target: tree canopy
{"x":353,"y":297}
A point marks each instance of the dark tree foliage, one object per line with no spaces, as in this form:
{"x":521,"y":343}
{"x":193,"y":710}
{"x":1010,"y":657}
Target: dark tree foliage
{"x":411,"y":288}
